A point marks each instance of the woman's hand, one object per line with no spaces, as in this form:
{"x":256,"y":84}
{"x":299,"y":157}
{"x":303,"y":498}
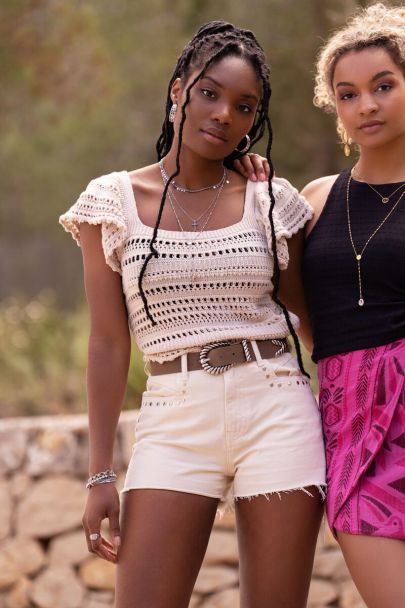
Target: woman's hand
{"x":253,"y":167}
{"x":103,"y":502}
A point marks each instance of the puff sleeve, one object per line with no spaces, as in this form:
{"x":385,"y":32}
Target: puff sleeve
{"x":291,"y":213}
{"x":101,"y":203}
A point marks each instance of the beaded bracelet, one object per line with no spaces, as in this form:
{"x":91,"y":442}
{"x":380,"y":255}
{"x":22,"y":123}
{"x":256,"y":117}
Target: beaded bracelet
{"x":103,"y":477}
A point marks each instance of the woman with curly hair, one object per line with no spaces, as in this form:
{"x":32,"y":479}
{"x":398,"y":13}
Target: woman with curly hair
{"x":354,"y":278}
{"x":190,"y":255}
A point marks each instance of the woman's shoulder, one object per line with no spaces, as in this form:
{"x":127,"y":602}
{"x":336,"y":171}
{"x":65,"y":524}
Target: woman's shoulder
{"x":100,"y":203}
{"x":147,"y":185}
{"x":141,"y":177}
{"x":317,"y":191}
{"x":145,"y":178}
{"x":291,"y":210}
{"x":280,"y":186}
{"x":285,"y":194}
{"x":106,"y":179}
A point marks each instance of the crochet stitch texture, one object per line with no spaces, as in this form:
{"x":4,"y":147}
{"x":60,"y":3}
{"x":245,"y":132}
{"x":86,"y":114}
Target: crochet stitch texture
{"x":213,"y":287}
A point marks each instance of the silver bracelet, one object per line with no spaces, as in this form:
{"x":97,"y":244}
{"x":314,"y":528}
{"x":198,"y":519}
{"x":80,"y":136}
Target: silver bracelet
{"x":103,"y":477}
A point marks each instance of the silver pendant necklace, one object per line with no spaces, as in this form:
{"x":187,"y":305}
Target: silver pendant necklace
{"x":195,"y":223}
{"x":206,"y":215}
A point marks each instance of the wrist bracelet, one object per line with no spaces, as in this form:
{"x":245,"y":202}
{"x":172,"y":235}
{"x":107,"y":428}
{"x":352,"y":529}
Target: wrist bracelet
{"x":103,"y":477}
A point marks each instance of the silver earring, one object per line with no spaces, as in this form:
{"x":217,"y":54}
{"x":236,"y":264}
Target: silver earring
{"x":172,"y":112}
{"x":247,"y":146}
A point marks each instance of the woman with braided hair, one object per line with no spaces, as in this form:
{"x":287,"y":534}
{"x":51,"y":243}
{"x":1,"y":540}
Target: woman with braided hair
{"x":197,"y":261}
{"x":353,"y":270}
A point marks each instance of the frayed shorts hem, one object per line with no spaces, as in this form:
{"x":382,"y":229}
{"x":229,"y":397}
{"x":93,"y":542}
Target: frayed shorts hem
{"x":389,"y":533}
{"x":229,"y":499}
{"x":321,"y":489}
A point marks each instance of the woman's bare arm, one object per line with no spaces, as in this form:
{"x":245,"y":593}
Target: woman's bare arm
{"x":107,"y":372}
{"x":292,"y":291}
{"x":108,"y":349}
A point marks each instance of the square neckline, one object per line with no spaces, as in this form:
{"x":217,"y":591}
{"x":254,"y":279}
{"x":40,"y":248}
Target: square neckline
{"x":187,"y":233}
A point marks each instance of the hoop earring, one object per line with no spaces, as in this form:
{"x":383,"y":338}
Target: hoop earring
{"x":247,"y":146}
{"x":172,"y":112}
{"x":346,"y":141}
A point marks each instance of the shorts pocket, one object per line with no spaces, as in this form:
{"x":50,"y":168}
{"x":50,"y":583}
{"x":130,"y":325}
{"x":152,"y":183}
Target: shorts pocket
{"x":164,"y":397}
{"x":164,"y":390}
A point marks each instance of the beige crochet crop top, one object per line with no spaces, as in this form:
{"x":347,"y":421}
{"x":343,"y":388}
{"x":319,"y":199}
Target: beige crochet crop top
{"x":201,"y":289}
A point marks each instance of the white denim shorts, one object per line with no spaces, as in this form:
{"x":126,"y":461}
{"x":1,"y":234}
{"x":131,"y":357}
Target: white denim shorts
{"x":254,"y":429}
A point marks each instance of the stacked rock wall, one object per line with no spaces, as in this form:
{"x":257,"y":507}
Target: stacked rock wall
{"x":44,"y":561}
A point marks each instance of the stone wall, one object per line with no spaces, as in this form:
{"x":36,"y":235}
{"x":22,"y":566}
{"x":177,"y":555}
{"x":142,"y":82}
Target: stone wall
{"x":44,"y":561}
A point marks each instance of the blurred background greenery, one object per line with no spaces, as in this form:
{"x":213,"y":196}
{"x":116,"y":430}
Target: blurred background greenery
{"x":83,"y":88}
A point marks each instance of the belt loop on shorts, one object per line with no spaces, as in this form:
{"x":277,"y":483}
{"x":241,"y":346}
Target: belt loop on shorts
{"x":259,"y":359}
{"x":184,"y":366}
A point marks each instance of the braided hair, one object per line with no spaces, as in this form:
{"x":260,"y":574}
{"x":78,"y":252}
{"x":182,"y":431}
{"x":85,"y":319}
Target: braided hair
{"x":212,"y":42}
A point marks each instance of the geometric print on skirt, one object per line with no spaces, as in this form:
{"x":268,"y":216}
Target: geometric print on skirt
{"x":362,"y":404}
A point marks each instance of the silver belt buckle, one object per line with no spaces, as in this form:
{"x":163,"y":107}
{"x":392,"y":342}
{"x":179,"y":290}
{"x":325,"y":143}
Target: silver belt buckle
{"x":220,"y":369}
{"x":283,"y":344}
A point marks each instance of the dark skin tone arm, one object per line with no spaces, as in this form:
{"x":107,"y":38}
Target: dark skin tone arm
{"x":291,"y":291}
{"x":108,"y":361}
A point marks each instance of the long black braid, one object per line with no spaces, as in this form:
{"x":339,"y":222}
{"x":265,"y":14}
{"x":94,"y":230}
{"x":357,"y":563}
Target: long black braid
{"x":212,"y":42}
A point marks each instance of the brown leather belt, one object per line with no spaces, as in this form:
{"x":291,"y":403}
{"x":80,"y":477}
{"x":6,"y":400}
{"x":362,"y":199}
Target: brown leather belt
{"x":217,"y":357}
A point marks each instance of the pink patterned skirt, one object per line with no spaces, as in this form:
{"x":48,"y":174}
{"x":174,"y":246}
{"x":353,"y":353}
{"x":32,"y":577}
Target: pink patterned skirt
{"x":362,"y":402}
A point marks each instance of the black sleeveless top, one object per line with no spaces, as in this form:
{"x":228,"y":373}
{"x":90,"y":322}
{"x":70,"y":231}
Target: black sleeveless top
{"x":331,"y":277}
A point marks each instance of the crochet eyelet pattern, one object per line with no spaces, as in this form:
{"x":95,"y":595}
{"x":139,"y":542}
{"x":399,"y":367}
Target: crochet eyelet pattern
{"x":213,"y":288}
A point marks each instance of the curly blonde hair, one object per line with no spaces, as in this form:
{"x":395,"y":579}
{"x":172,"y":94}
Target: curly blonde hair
{"x":376,"y":25}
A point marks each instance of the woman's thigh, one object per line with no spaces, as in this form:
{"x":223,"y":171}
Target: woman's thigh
{"x":377,"y":566}
{"x":277,"y":537}
{"x":164,"y":539}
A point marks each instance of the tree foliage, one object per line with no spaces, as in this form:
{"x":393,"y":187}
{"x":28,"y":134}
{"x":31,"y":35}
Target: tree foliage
{"x":83,"y":90}
{"x":43,"y":352}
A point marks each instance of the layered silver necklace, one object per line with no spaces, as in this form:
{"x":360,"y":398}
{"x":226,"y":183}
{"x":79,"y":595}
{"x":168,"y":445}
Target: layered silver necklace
{"x":206,"y":215}
{"x":176,"y":186}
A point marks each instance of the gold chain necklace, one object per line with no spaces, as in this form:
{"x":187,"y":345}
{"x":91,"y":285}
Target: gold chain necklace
{"x":359,"y":256}
{"x":384,"y":199}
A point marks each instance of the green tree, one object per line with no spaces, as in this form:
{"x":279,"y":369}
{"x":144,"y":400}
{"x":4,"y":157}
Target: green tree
{"x":83,"y":91}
